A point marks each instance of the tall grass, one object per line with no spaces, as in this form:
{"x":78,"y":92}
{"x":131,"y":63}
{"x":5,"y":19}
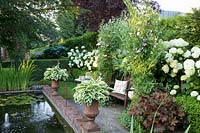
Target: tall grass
{"x":16,"y":79}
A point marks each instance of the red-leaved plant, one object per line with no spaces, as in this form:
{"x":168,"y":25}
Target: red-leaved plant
{"x":168,"y":113}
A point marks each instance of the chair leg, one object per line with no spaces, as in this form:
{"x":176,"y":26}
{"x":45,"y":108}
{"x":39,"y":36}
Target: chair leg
{"x":126,"y":99}
{"x":125,"y":103}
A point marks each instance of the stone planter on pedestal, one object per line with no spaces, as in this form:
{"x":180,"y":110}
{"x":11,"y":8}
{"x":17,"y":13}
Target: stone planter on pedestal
{"x":54,"y":84}
{"x":91,"y":112}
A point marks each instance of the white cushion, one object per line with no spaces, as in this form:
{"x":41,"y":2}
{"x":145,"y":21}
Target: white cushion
{"x":131,"y":94}
{"x":120,"y":86}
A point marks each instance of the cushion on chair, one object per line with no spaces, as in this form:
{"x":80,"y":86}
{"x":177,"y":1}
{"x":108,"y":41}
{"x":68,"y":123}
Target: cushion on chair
{"x":120,"y":86}
{"x":131,"y":93}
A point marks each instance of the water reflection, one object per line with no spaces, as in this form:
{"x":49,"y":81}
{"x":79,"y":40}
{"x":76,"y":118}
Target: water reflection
{"x":35,"y":118}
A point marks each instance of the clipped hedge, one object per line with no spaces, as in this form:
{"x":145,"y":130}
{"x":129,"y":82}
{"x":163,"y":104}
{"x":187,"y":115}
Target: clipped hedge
{"x":42,"y":64}
{"x":88,"y":39}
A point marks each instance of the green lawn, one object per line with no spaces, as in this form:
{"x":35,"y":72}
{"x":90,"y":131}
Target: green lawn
{"x":65,"y":87}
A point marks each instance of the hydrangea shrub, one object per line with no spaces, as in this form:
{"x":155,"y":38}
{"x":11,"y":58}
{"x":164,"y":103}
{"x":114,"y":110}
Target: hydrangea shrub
{"x":182,"y":63}
{"x":81,"y":58}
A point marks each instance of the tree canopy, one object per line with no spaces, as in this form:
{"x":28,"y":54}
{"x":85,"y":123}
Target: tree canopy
{"x":24,"y":23}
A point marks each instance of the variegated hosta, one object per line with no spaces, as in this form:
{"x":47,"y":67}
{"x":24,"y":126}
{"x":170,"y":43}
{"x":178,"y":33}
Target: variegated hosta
{"x":183,"y":63}
{"x":56,"y":73}
{"x":92,"y":90}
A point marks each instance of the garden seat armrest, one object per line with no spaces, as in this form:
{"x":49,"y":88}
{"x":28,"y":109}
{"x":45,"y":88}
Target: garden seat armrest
{"x":129,"y":90}
{"x":110,"y":89}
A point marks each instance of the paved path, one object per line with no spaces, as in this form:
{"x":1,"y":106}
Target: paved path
{"x":107,"y":118}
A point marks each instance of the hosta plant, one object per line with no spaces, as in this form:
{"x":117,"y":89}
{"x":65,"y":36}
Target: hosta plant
{"x":56,"y":73}
{"x":92,"y":90}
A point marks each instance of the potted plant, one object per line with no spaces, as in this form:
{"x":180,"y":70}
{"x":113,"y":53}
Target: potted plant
{"x":91,"y":93}
{"x":55,"y":74}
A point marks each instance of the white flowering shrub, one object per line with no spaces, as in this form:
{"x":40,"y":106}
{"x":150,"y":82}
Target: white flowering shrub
{"x":81,"y":58}
{"x":182,"y":63}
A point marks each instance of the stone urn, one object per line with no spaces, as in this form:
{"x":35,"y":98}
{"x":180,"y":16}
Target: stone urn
{"x":91,"y":112}
{"x":54,"y":84}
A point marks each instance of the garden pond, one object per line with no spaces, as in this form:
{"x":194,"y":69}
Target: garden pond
{"x":27,"y":113}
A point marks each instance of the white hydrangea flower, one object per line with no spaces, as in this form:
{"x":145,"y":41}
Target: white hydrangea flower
{"x":180,"y":51}
{"x":189,"y":72}
{"x":179,"y":66}
{"x":197,"y":64}
{"x":176,"y":87}
{"x":76,"y":47}
{"x":173,"y":74}
{"x":172,"y":50}
{"x":69,"y":53}
{"x":194,"y":94}
{"x":195,"y":49}
{"x":165,"y":68}
{"x":172,"y":92}
{"x":168,"y":55}
{"x":198,"y":98}
{"x":188,"y":64}
{"x":81,"y":64}
{"x":82,"y":47}
{"x":176,"y":42}
{"x":180,"y":43}
{"x":183,"y":77}
{"x":187,"y":54}
{"x":175,"y":70}
{"x":98,"y":44}
{"x":174,"y":64}
{"x":167,"y":44}
{"x":195,"y":55}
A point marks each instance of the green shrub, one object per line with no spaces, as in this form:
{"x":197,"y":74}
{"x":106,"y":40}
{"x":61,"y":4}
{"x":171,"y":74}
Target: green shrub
{"x":88,"y":39}
{"x":42,"y":64}
{"x":53,"y":52}
{"x":111,"y":51}
{"x":6,"y":64}
{"x":192,"y":109}
{"x":168,"y":26}
{"x":185,"y":26}
{"x":75,"y":72}
{"x":125,"y":119}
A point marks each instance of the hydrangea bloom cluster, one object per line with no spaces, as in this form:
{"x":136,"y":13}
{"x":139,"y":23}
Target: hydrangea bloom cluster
{"x":81,"y":58}
{"x":195,"y":94}
{"x":181,"y":61}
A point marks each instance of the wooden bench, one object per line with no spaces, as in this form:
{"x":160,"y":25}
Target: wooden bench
{"x":123,"y":97}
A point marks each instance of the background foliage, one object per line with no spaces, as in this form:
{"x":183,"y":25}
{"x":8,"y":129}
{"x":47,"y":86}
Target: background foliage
{"x":192,"y":109}
{"x":88,"y":39}
{"x":111,"y":36}
{"x":185,"y":26}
